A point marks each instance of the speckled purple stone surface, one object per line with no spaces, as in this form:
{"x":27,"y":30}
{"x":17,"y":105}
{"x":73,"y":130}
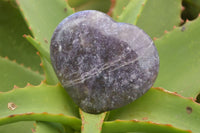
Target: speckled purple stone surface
{"x":102,"y":64}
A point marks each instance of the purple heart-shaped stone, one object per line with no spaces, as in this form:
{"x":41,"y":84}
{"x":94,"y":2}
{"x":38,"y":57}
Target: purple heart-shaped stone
{"x":102,"y":64}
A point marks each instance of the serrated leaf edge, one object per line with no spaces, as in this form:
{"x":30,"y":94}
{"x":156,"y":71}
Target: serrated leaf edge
{"x":22,"y":66}
{"x":26,"y":20}
{"x":49,"y":117}
{"x":72,"y":121}
{"x":175,"y":94}
{"x":67,"y":5}
{"x":38,"y":46}
{"x":175,"y":28}
{"x":147,"y":122}
{"x":143,"y":5}
{"x":112,"y":6}
{"x":119,"y":18}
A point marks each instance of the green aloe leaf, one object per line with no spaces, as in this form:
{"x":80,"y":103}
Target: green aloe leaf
{"x":155,"y":18}
{"x":42,"y":103}
{"x":179,"y":60}
{"x":161,"y":106}
{"x":122,"y":126}
{"x":119,"y":7}
{"x":46,"y":127}
{"x":15,"y":47}
{"x":50,"y":76}
{"x":131,"y":11}
{"x":38,"y":46}
{"x":159,"y":16}
{"x":101,"y":5}
{"x":15,"y":74}
{"x":43,"y":29}
{"x":92,"y":123}
{"x":18,"y":127}
{"x":76,"y":3}
{"x":12,"y":44}
{"x":43,"y":16}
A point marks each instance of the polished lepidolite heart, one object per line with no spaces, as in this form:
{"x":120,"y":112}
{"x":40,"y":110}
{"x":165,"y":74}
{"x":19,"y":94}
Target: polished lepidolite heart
{"x":102,"y":64}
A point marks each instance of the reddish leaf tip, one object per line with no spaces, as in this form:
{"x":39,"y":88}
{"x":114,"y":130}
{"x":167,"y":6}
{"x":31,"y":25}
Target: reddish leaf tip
{"x":154,"y":38}
{"x":6,"y":57}
{"x":42,"y":82}
{"x":41,"y":64}
{"x":191,"y":98}
{"x":45,"y":81}
{"x":182,"y":8}
{"x":33,"y":130}
{"x":38,"y":53}
{"x":21,"y":10}
{"x":29,"y":113}
{"x":11,"y":115}
{"x":28,"y":84}
{"x":145,"y":118}
{"x":17,"y":1}
{"x":175,"y":93}
{"x":169,"y":125}
{"x":83,"y":120}
{"x":24,"y":35}
{"x":182,"y":21}
{"x":150,"y":122}
{"x":15,"y":87}
{"x":45,"y":113}
{"x":113,"y":2}
{"x":174,"y":27}
{"x":135,"y":120}
{"x":165,"y":31}
{"x":159,"y":88}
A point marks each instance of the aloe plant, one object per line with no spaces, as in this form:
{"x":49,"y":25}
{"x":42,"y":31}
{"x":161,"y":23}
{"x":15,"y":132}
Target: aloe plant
{"x":33,"y":101}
